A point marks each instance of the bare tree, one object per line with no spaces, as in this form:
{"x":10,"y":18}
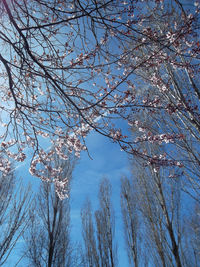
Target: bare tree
{"x":100,"y":249}
{"x":48,"y":239}
{"x":88,"y":233}
{"x":14,"y":207}
{"x":158,"y":202}
{"x":131,"y":221}
{"x":106,"y":226}
{"x":191,"y":245}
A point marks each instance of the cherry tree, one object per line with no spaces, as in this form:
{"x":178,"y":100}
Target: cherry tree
{"x":68,"y":68}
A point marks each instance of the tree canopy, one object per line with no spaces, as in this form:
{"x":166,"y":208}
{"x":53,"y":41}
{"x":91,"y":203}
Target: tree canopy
{"x":68,"y":68}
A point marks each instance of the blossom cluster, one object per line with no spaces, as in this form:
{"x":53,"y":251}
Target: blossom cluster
{"x":161,"y":161}
{"x":157,"y":81}
{"x":71,"y":142}
{"x":5,"y":165}
{"x":61,"y":188}
{"x":159,"y":138}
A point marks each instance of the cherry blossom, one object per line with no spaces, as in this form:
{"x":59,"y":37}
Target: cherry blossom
{"x":70,"y":68}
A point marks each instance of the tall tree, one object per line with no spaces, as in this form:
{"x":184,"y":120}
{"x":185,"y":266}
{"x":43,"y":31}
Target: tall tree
{"x":100,"y":249}
{"x":191,"y":247}
{"x":158,"y":204}
{"x":15,"y":203}
{"x":48,"y":239}
{"x":105,"y":224}
{"x":131,"y":221}
{"x":88,"y":233}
